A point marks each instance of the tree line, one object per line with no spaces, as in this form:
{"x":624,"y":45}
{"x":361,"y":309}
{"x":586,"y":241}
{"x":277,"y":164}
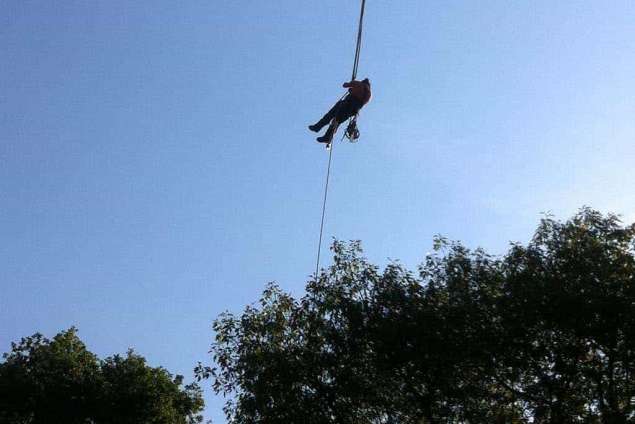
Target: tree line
{"x":59,"y":381}
{"x":542,"y":334}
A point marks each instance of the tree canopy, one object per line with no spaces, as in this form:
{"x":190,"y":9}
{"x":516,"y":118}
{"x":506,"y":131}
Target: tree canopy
{"x":542,"y":334}
{"x":56,"y":381}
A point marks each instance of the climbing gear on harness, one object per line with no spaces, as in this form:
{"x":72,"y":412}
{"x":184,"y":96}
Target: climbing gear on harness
{"x":352,"y":132}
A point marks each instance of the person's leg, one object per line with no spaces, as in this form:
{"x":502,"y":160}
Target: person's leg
{"x":328,"y":135}
{"x":326,"y":119}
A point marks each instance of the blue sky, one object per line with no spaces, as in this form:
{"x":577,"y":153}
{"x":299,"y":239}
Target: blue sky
{"x":155,"y":167}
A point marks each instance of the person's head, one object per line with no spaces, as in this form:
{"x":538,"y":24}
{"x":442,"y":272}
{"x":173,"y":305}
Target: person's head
{"x":366,"y":81}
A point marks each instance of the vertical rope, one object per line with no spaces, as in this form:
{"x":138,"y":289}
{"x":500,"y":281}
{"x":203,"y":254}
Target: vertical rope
{"x":326,"y":191}
{"x":358,"y":49}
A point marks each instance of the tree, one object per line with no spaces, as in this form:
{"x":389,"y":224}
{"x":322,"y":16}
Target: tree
{"x":59,"y":381}
{"x":542,"y":334}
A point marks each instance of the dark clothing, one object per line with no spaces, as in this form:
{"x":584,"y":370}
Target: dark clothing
{"x":359,"y":89}
{"x":344,"y":109}
{"x":358,"y":95}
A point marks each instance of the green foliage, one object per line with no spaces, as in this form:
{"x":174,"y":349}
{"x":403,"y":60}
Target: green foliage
{"x":59,"y":381}
{"x":544,"y":334}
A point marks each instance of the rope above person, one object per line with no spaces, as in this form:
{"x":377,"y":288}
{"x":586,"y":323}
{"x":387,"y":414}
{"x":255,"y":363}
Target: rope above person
{"x":348,"y":107}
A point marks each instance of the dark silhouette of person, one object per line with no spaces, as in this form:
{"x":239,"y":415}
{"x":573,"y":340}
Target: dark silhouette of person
{"x":358,"y":95}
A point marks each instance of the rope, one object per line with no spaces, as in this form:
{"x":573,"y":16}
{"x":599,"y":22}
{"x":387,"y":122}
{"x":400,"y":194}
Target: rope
{"x":358,"y":49}
{"x":351,"y":131}
{"x":326,"y":191}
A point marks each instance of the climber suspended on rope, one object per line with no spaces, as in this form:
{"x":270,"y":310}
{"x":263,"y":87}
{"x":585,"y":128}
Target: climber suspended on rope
{"x":358,"y":95}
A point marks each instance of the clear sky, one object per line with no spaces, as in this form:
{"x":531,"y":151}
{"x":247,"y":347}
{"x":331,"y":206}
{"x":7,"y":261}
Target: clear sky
{"x":156,"y":169}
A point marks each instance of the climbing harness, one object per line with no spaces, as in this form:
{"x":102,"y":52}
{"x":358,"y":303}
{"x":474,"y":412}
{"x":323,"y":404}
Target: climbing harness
{"x":352,"y":133}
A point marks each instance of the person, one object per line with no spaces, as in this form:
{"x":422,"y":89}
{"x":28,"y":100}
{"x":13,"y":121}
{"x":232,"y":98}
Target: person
{"x":358,"y":95}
